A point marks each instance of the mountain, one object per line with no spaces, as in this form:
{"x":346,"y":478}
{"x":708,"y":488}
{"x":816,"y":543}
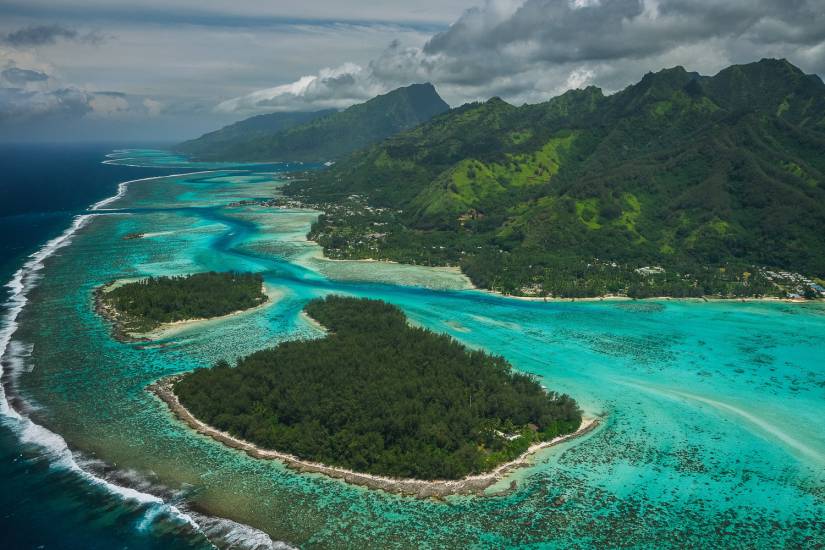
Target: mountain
{"x":320,"y":136}
{"x":234,"y":140}
{"x":712,"y":179}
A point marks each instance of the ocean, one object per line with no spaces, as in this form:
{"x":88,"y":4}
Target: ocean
{"x":710,"y":431}
{"x":42,"y":189}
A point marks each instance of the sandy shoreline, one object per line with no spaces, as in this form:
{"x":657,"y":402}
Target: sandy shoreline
{"x":607,"y":297}
{"x":166,"y":329}
{"x":470,"y":485}
{"x":388,"y":271}
{"x":615,"y":297}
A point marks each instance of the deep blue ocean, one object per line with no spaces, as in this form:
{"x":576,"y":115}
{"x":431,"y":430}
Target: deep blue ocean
{"x":42,"y":187}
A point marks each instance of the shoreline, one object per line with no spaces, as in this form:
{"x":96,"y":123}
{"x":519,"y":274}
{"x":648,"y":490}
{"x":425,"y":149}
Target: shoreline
{"x":456,"y":270}
{"x":123,"y":186}
{"x":470,"y":485}
{"x":618,"y":297}
{"x":165,"y":330}
{"x":316,"y":257}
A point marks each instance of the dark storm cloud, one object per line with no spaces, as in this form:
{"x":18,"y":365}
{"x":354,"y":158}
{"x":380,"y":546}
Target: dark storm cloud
{"x":516,"y":50}
{"x":19,"y":77}
{"x":531,"y":50}
{"x":20,"y":104}
{"x":41,"y":35}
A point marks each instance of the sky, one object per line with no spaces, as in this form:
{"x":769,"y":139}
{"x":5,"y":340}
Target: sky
{"x":167,"y":70}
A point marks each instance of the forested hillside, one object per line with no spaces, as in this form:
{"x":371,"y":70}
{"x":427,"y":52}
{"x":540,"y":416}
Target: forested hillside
{"x":716,"y":180}
{"x":326,"y":137}
{"x":236,"y":140}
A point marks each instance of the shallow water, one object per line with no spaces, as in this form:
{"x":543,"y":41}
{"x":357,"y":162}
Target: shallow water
{"x":713,"y":432}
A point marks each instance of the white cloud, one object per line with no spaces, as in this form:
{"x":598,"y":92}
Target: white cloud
{"x":108,"y":104}
{"x":153,"y":107}
{"x":330,"y":88}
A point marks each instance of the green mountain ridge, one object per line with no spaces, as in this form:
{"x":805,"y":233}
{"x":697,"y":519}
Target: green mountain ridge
{"x":680,"y":170}
{"x":235,"y":138}
{"x":323,"y":135}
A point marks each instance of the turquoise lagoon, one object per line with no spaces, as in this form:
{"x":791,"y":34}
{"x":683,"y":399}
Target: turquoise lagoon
{"x":713,"y":429}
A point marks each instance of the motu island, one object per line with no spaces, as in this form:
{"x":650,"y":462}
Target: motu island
{"x":380,"y":397}
{"x":142,"y":306}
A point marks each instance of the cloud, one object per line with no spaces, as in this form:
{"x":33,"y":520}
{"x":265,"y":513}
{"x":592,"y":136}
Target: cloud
{"x":262,"y":56}
{"x":153,"y":107}
{"x":30,"y":94}
{"x":20,"y":77}
{"x":617,"y":40}
{"x":330,"y":88}
{"x":108,"y":104}
{"x":42,"y":35}
{"x":19,"y":104}
{"x":522,"y":50}
{"x":528,"y":51}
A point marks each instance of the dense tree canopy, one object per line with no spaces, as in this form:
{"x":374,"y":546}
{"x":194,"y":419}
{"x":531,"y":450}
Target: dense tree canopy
{"x":150,"y":302}
{"x":304,"y":137}
{"x":379,"y":396}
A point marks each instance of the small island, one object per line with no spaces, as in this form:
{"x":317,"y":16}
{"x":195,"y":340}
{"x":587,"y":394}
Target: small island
{"x":145,"y":305}
{"x":377,"y":402}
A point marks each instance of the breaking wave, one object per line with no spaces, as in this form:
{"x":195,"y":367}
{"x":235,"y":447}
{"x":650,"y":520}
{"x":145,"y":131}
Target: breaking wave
{"x":222,"y":532}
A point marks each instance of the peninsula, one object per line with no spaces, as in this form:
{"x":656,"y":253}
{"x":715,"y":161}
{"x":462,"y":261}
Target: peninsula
{"x":377,"y":402}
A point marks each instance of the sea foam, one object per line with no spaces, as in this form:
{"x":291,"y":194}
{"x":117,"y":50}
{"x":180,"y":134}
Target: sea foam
{"x":27,"y":431}
{"x":123,"y":186}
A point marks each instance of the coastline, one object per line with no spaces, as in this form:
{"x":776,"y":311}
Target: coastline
{"x":312,"y":322}
{"x":470,"y":485}
{"x":320,"y":255}
{"x":23,"y":428}
{"x":618,"y":297}
{"x":165,"y":330}
{"x":123,"y":186}
{"x":456,"y":270}
{"x":435,"y":277}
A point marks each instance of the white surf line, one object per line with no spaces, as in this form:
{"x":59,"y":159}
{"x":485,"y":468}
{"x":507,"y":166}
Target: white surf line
{"x":123,"y":186}
{"x":120,"y":162}
{"x":26,"y":430}
{"x":763,"y":425}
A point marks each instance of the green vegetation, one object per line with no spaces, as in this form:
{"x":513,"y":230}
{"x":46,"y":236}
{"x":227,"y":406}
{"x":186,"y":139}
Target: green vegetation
{"x":377,"y":395}
{"x":232,"y":142}
{"x":711,"y":178}
{"x":322,"y":136}
{"x":146,"y":304}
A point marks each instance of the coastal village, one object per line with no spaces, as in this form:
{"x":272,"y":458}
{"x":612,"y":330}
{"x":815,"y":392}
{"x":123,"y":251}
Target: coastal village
{"x":364,"y":235}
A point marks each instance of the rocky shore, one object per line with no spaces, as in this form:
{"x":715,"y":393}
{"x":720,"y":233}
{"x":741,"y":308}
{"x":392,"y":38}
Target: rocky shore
{"x":470,"y":485}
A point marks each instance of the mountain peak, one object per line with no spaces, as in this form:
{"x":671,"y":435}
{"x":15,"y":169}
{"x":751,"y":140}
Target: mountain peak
{"x":765,"y":67}
{"x":766,"y":84}
{"x":325,"y":137}
{"x":416,"y":102}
